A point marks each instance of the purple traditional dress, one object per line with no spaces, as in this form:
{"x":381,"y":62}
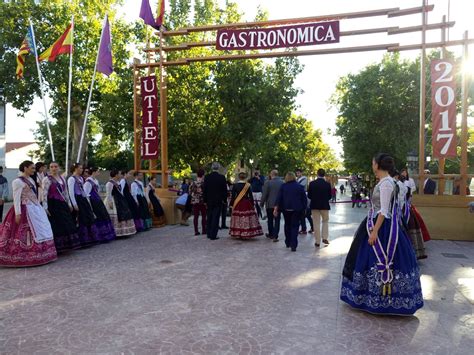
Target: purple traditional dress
{"x":132,"y":205}
{"x":102,"y":222}
{"x":56,"y":202}
{"x":31,"y":241}
{"x":85,"y":218}
{"x":383,"y":278}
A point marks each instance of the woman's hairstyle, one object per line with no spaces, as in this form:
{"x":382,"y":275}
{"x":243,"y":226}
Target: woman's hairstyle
{"x":200,"y":173}
{"x":92,"y":169}
{"x":290,"y":176}
{"x":385,"y":162}
{"x":405,"y":170}
{"x":152,"y":177}
{"x":53,"y":162}
{"x":394,"y":173}
{"x":39,"y":165}
{"x":136,"y":173}
{"x":113,"y":173}
{"x":74,"y":167}
{"x":242,"y":176}
{"x":25,"y":164}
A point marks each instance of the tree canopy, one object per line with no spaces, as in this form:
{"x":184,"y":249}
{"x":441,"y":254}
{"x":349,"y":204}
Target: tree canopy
{"x":226,"y":111}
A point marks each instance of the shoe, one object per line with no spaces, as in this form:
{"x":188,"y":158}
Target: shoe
{"x":214,"y":238}
{"x":197,"y":233}
{"x":225,"y":227}
{"x":311,"y":231}
{"x":268,"y":236}
{"x":293,"y":249}
{"x":303,"y":232}
{"x":316,"y":245}
{"x":325,"y":241}
{"x":264,"y":218}
{"x":275,"y":240}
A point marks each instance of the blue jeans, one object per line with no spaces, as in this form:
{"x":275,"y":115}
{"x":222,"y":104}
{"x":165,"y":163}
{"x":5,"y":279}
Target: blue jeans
{"x":292,"y":223}
{"x":273,"y":223}
{"x":213,"y":216}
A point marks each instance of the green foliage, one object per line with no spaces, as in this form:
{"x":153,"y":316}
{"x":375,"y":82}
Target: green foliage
{"x":226,"y":111}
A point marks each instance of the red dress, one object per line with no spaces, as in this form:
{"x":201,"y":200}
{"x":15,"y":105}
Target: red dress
{"x":244,"y":222}
{"x":30,"y":242}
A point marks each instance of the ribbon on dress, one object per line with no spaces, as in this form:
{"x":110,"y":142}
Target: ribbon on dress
{"x":385,"y":257}
{"x":406,"y":210}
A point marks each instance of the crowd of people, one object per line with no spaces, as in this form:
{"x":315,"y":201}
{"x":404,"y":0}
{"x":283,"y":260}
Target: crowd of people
{"x":52,"y":214}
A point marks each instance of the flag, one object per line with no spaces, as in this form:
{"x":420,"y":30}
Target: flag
{"x":104,"y":62}
{"x":26,"y":47}
{"x":160,"y":18}
{"x":147,"y":15}
{"x":63,"y":45}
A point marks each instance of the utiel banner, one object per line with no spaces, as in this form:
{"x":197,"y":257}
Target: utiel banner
{"x":150,"y":107}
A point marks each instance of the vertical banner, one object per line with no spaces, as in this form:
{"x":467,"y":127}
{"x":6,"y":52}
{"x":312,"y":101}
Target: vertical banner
{"x":150,"y":107}
{"x":443,"y":101}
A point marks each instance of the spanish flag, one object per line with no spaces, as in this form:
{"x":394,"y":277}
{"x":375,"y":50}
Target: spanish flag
{"x":160,"y":18}
{"x":25,"y":48}
{"x":64,"y":45}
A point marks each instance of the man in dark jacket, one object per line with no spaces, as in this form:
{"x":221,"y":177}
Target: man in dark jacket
{"x":430,"y":185}
{"x":319,"y":192}
{"x":269,"y":197}
{"x":215,"y":194}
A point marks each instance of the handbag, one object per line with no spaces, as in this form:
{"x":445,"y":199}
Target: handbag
{"x":181,"y":201}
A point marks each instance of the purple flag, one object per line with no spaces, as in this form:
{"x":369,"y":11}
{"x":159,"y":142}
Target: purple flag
{"x":147,"y":15}
{"x":104,"y":63}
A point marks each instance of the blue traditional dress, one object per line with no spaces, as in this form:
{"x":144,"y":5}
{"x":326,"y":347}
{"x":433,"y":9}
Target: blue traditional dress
{"x":383,"y":278}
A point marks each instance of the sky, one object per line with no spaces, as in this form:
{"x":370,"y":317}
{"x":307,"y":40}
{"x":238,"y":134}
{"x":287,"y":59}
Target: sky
{"x":321,"y":73}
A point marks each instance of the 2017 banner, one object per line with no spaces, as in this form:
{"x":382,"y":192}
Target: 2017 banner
{"x":278,"y":37}
{"x":150,"y":107}
{"x":443,"y":103}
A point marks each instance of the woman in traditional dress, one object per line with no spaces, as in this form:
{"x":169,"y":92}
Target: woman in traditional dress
{"x":157,"y":212}
{"x":83,"y":212}
{"x":417,"y":230}
{"x":104,"y":224}
{"x":138,"y":193}
{"x":381,"y":274}
{"x":26,"y":238}
{"x":244,"y":222}
{"x":132,"y":204}
{"x":117,"y":206}
{"x":58,"y":206}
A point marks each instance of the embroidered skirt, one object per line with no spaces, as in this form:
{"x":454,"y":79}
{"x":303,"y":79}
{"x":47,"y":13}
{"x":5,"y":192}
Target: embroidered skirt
{"x":424,"y":230}
{"x":244,"y":222}
{"x":18,"y":246}
{"x":103,"y":223}
{"x":88,"y":233}
{"x":361,"y":283}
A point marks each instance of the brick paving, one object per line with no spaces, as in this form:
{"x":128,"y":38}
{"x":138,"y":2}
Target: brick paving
{"x":168,"y":291}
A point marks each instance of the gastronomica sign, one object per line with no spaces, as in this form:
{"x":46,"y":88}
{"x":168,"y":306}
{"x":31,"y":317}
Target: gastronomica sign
{"x":278,"y":37}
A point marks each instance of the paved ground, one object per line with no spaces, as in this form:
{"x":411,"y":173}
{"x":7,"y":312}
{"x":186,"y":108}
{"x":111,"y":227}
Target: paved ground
{"x":167,"y":291}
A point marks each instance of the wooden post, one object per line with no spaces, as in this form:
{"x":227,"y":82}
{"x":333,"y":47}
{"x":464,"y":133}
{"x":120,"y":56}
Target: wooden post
{"x":442,"y":161}
{"x":421,"y":154}
{"x":164,"y":117}
{"x":136,"y":146}
{"x":464,"y":131}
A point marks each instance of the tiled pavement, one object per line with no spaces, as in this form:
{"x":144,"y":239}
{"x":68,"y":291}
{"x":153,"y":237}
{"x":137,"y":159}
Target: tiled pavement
{"x":167,"y":291}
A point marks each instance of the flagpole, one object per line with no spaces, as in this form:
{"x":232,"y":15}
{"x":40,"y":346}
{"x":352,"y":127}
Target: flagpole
{"x":84,"y":125}
{"x":42,"y":89}
{"x":68,"y":125}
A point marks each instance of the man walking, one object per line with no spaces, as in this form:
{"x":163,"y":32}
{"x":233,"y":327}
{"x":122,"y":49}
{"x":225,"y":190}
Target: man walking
{"x":271,"y":188}
{"x":215,"y":194}
{"x":3,"y":192}
{"x":256,"y":183}
{"x":319,"y":192}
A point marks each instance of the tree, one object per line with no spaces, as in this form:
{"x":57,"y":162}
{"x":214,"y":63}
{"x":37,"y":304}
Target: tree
{"x":111,"y":108}
{"x":378,"y":112}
